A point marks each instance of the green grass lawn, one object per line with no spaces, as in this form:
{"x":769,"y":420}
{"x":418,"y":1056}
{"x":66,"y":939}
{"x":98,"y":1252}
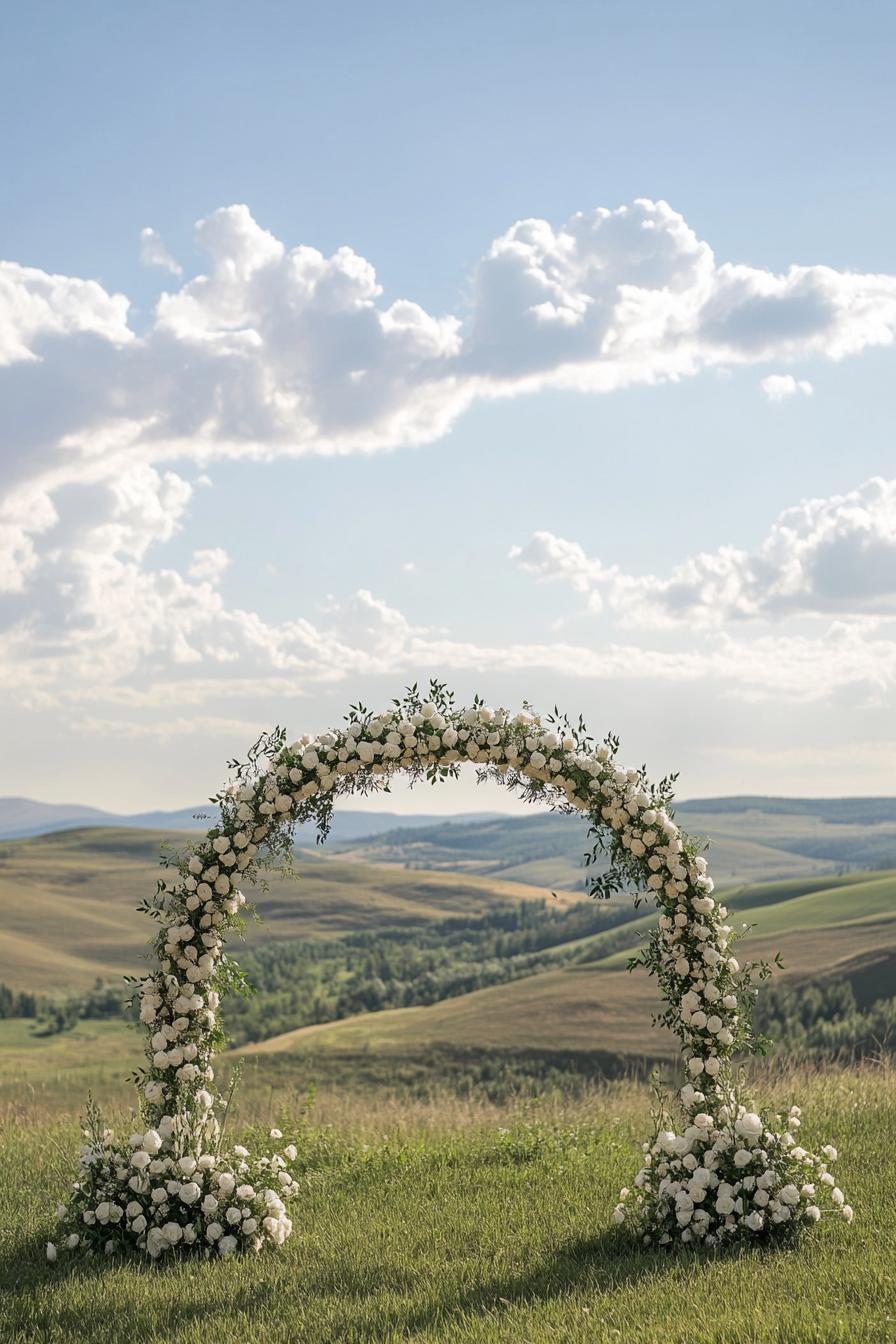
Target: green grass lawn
{"x":459,"y":1222}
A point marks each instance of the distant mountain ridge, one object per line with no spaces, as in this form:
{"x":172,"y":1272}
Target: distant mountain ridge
{"x":21,"y":818}
{"x":865,"y":811}
{"x":753,"y":839}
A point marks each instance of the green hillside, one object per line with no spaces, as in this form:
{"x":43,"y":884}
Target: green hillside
{"x":753,"y":840}
{"x":822,"y":929}
{"x":68,"y":911}
{"x":67,"y":903}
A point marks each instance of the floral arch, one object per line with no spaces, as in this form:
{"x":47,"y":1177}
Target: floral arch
{"x":724,"y":1173}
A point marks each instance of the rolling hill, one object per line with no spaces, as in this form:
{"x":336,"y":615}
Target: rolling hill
{"x":823,"y":928}
{"x":67,"y":902}
{"x":753,"y":839}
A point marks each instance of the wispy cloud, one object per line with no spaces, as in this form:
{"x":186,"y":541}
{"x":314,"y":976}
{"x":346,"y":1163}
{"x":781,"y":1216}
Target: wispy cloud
{"x":154,"y":252}
{"x":780,"y":386}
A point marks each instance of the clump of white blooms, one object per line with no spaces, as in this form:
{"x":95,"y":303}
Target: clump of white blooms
{"x":172,"y":1189}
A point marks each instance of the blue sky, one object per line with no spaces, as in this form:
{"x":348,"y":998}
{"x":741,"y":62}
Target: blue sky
{"x":537,"y":532}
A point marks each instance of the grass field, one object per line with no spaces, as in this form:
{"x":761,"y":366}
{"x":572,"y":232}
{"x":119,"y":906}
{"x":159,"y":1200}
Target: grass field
{"x":462,"y":1223}
{"x":428,"y":1212}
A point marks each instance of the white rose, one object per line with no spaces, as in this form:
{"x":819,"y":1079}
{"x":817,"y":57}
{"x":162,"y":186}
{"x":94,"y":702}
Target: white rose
{"x":749,"y":1126}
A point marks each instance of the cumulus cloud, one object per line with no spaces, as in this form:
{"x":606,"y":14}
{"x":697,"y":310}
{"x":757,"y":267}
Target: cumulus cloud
{"x":823,"y":556}
{"x":209,"y":564}
{"x":779,"y":386}
{"x":549,"y":557}
{"x":154,"y":252}
{"x":172,"y":644}
{"x":278,"y":350}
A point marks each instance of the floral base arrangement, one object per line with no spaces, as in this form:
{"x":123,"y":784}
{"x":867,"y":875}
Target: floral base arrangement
{"x":728,"y":1177}
{"x":172,"y":1189}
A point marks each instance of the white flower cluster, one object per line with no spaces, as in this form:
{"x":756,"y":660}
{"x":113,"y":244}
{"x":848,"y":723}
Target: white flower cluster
{"x":706,"y":990}
{"x":728,"y":1177}
{"x":170,"y":1189}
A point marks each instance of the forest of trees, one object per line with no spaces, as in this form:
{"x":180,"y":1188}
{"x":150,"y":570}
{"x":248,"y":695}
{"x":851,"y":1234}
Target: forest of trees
{"x":298,"y":982}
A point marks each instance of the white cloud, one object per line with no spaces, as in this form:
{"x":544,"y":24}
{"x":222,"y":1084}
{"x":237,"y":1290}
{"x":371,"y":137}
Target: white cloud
{"x":209,"y":564}
{"x":779,"y":386}
{"x":154,"y":252}
{"x":287,"y":351}
{"x":163,"y":730}
{"x":549,"y":557}
{"x":40,"y":312}
{"x":170,"y":643}
{"x":834,"y":555}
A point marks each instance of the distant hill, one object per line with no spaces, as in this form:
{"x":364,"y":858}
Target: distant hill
{"x":67,"y":902}
{"x":753,"y":839}
{"x":823,"y":927}
{"x":836,"y":811}
{"x":23,"y":817}
{"x":67,"y":906}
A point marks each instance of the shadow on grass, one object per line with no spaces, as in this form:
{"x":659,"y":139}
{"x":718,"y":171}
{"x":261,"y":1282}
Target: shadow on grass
{"x":604,"y":1263}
